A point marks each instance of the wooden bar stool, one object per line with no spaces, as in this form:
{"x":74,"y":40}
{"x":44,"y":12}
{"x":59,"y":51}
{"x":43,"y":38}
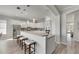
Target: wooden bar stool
{"x":18,"y":36}
{"x":30,"y":46}
{"x":20,"y":39}
{"x":22,"y":42}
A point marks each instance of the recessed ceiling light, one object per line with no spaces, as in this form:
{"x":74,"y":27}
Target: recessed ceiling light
{"x":28,"y":5}
{"x":18,"y":8}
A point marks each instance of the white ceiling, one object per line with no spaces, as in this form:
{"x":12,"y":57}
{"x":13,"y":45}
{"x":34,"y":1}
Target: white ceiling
{"x":62,"y":7}
{"x":34,"y":11}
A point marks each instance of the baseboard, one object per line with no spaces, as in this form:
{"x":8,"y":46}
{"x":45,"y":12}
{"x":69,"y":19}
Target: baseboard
{"x":61,"y":43}
{"x":64,"y":43}
{"x":76,"y":40}
{"x":57,"y":42}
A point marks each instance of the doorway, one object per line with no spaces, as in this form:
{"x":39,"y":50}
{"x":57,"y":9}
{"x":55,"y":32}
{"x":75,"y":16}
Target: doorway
{"x":16,"y":30}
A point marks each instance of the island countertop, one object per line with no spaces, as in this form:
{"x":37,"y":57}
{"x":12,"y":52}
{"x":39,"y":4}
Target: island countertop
{"x":39,"y":33}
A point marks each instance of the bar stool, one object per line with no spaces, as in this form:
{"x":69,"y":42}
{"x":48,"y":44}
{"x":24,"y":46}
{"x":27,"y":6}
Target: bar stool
{"x":22,"y":42}
{"x":21,"y":39}
{"x":0,"y":36}
{"x":18,"y":36}
{"x":29,"y":45}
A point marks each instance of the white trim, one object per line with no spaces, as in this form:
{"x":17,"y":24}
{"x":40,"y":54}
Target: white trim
{"x":57,"y":42}
{"x":76,"y":40}
{"x":64,"y":43}
{"x":53,"y":9}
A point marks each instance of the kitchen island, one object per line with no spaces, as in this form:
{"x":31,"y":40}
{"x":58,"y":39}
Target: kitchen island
{"x":44,"y":44}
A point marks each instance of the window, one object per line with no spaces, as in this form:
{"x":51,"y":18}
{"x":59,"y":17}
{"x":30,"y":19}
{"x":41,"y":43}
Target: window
{"x":3,"y":26}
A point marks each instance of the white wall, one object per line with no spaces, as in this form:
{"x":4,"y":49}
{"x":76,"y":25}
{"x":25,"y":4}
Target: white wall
{"x":50,"y":23}
{"x":55,"y":17}
{"x":56,"y":22}
{"x":63,"y":28}
{"x":76,"y":27}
